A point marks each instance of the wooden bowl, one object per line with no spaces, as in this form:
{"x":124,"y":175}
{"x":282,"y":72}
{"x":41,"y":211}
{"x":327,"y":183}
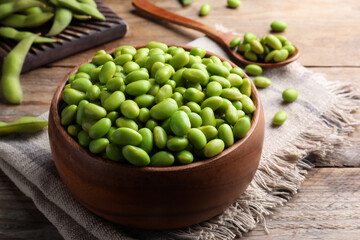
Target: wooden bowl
{"x":155,"y":197}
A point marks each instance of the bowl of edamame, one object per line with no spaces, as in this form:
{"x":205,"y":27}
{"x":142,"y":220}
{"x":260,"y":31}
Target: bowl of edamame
{"x":156,"y":136}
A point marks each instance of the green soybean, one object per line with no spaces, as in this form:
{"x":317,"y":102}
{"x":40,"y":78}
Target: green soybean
{"x":278,"y":26}
{"x":208,"y":116}
{"x":160,"y":137}
{"x":164,"y":109}
{"x":126,"y":136}
{"x":225,"y":133}
{"x":253,"y":70}
{"x":241,"y":127}
{"x":184,"y":157}
{"x":94,"y":111}
{"x":180,"y":123}
{"x":100,"y":128}
{"x":125,"y":122}
{"x":197,"y":138}
{"x":262,"y":82}
{"x":147,"y":142}
{"x":290,"y":95}
{"x":136,"y":156}
{"x":217,"y":69}
{"x":98,"y":145}
{"x":114,"y":153}
{"x":213,"y":148}
{"x":162,"y":159}
{"x":130,"y":109}
{"x":68,"y":115}
{"x":204,"y":9}
{"x":279,"y":118}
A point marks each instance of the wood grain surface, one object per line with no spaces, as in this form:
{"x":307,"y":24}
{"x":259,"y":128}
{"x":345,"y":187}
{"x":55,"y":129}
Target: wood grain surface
{"x":327,"y":33}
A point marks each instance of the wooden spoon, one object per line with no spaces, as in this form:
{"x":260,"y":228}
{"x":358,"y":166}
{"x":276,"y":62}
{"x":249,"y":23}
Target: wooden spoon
{"x":220,"y":37}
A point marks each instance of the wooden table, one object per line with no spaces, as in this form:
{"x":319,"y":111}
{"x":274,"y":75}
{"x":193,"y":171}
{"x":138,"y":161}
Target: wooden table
{"x":328,"y":35}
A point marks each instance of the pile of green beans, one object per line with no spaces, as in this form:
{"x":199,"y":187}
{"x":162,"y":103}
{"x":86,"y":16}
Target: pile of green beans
{"x":157,"y":106}
{"x":270,"y":48}
{"x":35,"y":13}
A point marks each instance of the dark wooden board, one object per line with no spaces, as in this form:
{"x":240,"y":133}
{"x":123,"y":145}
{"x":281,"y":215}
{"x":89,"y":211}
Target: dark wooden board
{"x":77,"y":37}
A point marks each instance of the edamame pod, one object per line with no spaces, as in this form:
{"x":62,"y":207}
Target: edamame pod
{"x":23,"y":125}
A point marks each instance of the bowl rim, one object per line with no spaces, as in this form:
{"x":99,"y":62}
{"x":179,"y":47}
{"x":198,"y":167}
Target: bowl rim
{"x":57,"y":101}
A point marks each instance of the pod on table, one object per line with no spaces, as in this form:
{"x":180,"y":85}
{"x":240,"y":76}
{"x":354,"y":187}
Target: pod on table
{"x":23,"y":125}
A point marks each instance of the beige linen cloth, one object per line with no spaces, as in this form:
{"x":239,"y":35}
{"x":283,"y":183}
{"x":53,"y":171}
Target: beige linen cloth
{"x":318,"y":122}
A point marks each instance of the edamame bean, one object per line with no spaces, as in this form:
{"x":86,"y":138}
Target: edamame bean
{"x":250,"y":55}
{"x":247,"y":104}
{"x":126,"y":136}
{"x":163,"y":74}
{"x":73,"y":130}
{"x":231,"y":115}
{"x":179,"y":60}
{"x":216,"y":69}
{"x":223,"y":81}
{"x":241,"y":127}
{"x":138,"y":88}
{"x":245,"y":88}
{"x":125,"y":122}
{"x":235,"y":80}
{"x":83,"y":138}
{"x":147,"y":142}
{"x":212,"y":102}
{"x":195,"y":119}
{"x":278,"y":26}
{"x":194,"y":95}
{"x":198,"y":51}
{"x":262,"y":82}
{"x":184,"y":157}
{"x":153,"y":44}
{"x":94,"y":111}
{"x":197,"y":138}
{"x":145,"y":100}
{"x":234,"y":3}
{"x":180,"y":123}
{"x":130,"y":67}
{"x":163,"y":93}
{"x":73,"y":96}
{"x":237,"y":71}
{"x":273,"y":42}
{"x":93,"y":93}
{"x":253,"y":70}
{"x":256,"y":46}
{"x":130,"y":109}
{"x":100,"y":128}
{"x":144,"y":114}
{"x":81,"y":84}
{"x":98,"y":145}
{"x":177,"y":143}
{"x":281,"y":55}
{"x":234,"y":42}
{"x":194,"y":107}
{"x":290,"y":95}
{"x":162,"y":159}
{"x":207,"y":116}
{"x":225,"y":133}
{"x":279,"y":118}
{"x":136,"y":76}
{"x":160,"y":137}
{"x":87,"y":68}
{"x":114,"y":153}
{"x":178,"y":98}
{"x":136,"y":156}
{"x":232,"y":94}
{"x":205,"y":9}
{"x":195,"y":75}
{"x":68,"y":115}
{"x":213,"y":148}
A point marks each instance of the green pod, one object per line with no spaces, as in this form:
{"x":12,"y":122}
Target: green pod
{"x":164,"y":109}
{"x":194,"y":95}
{"x":153,"y":59}
{"x":153,"y":44}
{"x":160,"y":137}
{"x":114,"y":153}
{"x":198,"y":51}
{"x":238,"y":71}
{"x":195,"y":75}
{"x":233,"y":94}
{"x":136,"y":76}
{"x":212,"y":102}
{"x":23,"y":125}
{"x":247,"y":104}
{"x":163,"y":74}
{"x":250,"y":55}
{"x":281,"y":55}
{"x":225,"y":133}
{"x":114,"y":83}
{"x":208,"y":117}
{"x":279,"y":118}
{"x":223,"y":81}
{"x":129,"y":109}
{"x":144,"y":115}
{"x":125,"y":122}
{"x":290,"y":95}
{"x":178,"y":97}
{"x":262,"y":82}
{"x":83,"y":8}
{"x":73,"y":96}
{"x":136,"y":156}
{"x":126,"y":136}
{"x":216,"y":69}
{"x":231,"y":115}
{"x":179,"y":60}
{"x":145,"y":100}
{"x":241,"y":127}
{"x":101,"y":59}
{"x":147,"y":142}
{"x":138,"y":88}
{"x":26,"y":21}
{"x":273,"y":42}
{"x":94,"y":111}
{"x":235,"y":80}
{"x":62,"y":19}
{"x":107,"y":72}
{"x":256,"y":46}
{"x":98,"y":145}
{"x":93,"y":93}
{"x":73,"y":130}
{"x":245,"y":88}
{"x":81,"y":84}
{"x":163,"y":93}
{"x":130,"y":67}
{"x":197,"y":138}
{"x":180,"y":123}
{"x":177,"y":143}
{"x":83,"y":138}
{"x":80,"y":114}
{"x":213,"y":148}
{"x":68,"y":115}
{"x":195,"y":119}
{"x":162,"y":159}
{"x":210,"y":132}
{"x":184,"y":157}
{"x":194,"y":107}
{"x":100,"y":128}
